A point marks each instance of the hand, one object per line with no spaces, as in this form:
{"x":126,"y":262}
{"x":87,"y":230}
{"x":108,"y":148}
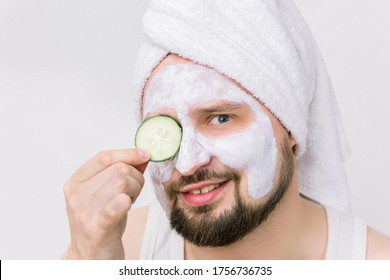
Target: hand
{"x":98,"y":197}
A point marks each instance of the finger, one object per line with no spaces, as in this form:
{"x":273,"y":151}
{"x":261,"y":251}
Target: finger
{"x":114,"y":211}
{"x":134,"y":157}
{"x":119,"y":168}
{"x":114,"y":186}
{"x":141,"y":168}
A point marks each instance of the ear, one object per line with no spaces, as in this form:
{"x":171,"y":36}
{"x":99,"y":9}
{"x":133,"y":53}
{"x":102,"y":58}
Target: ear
{"x":292,"y":142}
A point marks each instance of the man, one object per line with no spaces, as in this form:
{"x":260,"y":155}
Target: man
{"x":259,"y":172}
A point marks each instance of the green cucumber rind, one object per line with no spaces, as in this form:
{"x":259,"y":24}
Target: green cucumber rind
{"x":149,"y":119}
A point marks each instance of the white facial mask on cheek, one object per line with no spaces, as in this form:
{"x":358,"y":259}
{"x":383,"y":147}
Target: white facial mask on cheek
{"x":252,"y":150}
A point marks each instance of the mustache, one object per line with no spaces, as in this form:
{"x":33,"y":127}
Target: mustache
{"x":200,"y":175}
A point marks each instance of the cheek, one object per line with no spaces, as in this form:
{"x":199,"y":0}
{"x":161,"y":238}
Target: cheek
{"x":231,"y":150}
{"x":252,"y":151}
{"x":161,"y":172}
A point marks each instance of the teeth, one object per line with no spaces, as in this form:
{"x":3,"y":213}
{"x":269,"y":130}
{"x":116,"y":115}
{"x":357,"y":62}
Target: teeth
{"x":205,"y":189}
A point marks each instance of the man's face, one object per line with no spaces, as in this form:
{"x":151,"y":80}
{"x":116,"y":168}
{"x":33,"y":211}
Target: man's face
{"x":224,"y":181}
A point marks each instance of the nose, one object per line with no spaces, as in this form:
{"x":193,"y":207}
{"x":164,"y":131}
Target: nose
{"x":192,"y":155}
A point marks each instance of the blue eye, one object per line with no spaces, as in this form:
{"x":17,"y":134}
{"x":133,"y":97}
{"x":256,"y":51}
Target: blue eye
{"x":220,"y":119}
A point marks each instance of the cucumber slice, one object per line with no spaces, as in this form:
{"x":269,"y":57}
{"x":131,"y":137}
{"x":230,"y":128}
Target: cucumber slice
{"x":161,"y":136}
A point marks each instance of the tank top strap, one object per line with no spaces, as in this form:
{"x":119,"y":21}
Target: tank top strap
{"x":347,"y":236}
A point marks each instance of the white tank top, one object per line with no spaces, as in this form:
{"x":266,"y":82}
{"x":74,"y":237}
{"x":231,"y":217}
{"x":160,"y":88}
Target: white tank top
{"x":347,"y":237}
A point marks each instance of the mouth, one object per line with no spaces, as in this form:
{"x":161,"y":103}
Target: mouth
{"x":203,"y":193}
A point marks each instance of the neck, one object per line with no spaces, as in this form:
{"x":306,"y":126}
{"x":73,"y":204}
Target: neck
{"x":296,"y":229}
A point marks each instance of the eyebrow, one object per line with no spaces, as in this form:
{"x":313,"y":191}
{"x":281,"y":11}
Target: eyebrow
{"x":219,"y":108}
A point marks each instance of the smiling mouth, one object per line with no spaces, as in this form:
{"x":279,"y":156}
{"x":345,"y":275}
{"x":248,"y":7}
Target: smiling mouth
{"x":201,"y":188}
{"x":203,"y":193}
{"x":206,"y":189}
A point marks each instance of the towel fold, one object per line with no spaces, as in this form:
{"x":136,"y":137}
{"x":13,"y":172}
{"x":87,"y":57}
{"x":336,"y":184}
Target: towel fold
{"x":266,"y":46}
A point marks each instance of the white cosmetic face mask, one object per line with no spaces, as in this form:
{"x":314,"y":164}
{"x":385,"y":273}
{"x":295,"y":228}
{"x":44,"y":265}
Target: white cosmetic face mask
{"x":252,"y":150}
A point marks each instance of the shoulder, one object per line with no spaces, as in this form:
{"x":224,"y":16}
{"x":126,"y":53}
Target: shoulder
{"x":135,"y":230}
{"x":378,"y":245}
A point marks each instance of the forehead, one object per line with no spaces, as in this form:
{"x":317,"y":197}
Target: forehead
{"x":178,"y":86}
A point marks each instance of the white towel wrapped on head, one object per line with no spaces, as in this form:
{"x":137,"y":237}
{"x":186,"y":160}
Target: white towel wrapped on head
{"x":266,"y":46}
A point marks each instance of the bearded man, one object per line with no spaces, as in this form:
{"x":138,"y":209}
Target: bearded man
{"x":259,"y":173}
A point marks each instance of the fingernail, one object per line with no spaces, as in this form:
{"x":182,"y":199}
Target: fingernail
{"x":143,"y":154}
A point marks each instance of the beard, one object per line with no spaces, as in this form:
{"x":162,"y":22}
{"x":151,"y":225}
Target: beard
{"x":201,"y":227}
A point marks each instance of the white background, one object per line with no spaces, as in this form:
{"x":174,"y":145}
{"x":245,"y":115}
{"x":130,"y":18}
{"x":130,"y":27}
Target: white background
{"x":65,"y":69}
